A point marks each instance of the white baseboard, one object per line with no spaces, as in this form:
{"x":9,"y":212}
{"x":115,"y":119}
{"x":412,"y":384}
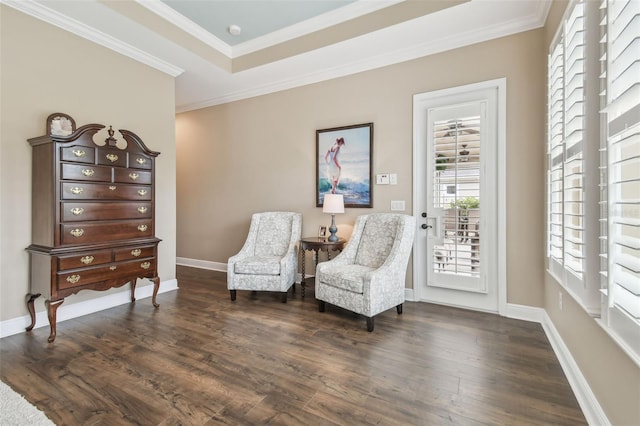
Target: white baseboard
{"x":74,"y":310}
{"x":201,"y":264}
{"x":524,"y":313}
{"x":589,"y":404}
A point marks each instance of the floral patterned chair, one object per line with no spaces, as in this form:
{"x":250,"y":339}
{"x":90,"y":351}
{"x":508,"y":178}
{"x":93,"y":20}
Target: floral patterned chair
{"x":368,"y":276}
{"x":268,"y":261}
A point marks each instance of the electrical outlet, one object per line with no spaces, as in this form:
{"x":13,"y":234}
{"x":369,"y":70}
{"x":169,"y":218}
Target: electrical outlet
{"x":560,"y":300}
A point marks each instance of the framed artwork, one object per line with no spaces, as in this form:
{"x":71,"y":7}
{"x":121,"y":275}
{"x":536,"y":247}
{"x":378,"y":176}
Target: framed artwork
{"x":344,"y":158}
{"x":322,"y":231}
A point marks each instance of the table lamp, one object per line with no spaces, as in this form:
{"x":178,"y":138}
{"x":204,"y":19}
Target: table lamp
{"x":333,"y":204}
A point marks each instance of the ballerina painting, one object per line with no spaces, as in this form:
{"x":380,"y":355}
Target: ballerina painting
{"x":344,"y":156}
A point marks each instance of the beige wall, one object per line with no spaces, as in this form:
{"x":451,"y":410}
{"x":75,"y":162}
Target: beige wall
{"x":259,"y":154}
{"x":613,"y":377}
{"x":45,"y":70}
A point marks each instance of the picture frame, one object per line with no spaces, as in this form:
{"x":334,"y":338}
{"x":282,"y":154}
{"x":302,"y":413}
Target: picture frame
{"x":322,"y":231}
{"x":344,"y":159}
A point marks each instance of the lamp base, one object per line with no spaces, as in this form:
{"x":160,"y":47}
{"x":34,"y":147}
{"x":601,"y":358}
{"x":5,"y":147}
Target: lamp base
{"x":333,"y":229}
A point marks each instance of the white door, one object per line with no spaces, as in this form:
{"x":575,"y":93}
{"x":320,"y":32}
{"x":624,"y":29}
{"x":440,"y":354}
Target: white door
{"x":456,"y":141}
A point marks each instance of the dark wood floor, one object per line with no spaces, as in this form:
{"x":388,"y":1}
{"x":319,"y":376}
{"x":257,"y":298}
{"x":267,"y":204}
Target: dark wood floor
{"x":201,"y":359}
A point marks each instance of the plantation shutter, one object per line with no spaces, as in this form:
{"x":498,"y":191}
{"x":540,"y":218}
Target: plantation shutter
{"x":574,"y":96}
{"x":555,"y":157}
{"x":622,"y":111}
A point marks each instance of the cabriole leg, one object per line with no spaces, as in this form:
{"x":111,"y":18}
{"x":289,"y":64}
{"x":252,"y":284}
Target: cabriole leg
{"x":133,"y":290}
{"x":156,"y":287}
{"x":52,"y":310}
{"x":32,"y":310}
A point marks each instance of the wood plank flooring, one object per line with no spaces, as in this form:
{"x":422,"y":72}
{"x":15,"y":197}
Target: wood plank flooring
{"x":201,"y":359}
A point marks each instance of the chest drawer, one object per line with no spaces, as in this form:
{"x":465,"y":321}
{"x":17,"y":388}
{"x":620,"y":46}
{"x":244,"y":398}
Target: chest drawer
{"x":86,"y":172}
{"x":112,"y":157}
{"x":83,"y":232}
{"x":80,"y":212}
{"x":140,"y":269}
{"x":103,"y":191}
{"x":84,"y":260}
{"x":139,"y":161}
{"x":132,"y":176}
{"x":78,"y":154}
{"x":134,"y":253}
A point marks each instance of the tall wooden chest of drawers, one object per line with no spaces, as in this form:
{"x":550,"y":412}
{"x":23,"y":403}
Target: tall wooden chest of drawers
{"x":93,"y":214}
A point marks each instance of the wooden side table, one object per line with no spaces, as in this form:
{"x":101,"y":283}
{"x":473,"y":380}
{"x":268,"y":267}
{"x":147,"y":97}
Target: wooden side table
{"x":317,"y":245}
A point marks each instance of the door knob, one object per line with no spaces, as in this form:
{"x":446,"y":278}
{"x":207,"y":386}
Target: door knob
{"x":425,"y":226}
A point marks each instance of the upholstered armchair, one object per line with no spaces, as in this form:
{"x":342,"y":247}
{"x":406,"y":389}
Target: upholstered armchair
{"x":268,"y":261}
{"x":368,"y":276}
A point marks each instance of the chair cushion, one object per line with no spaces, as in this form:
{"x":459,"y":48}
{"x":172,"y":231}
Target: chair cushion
{"x":274,"y":235}
{"x":258,"y":265}
{"x":347,"y":277}
{"x":377,"y":239}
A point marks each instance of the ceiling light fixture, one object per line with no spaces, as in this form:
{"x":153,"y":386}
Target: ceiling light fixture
{"x":235,"y":30}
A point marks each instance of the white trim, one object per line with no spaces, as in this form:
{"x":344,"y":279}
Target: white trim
{"x":201,"y":264}
{"x":50,"y":16}
{"x":311,"y":25}
{"x":523,"y":312}
{"x":74,"y":310}
{"x":179,"y":20}
{"x":408,"y":295}
{"x":427,"y":48}
{"x":588,"y":402}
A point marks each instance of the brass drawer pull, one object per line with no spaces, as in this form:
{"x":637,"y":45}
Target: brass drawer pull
{"x":76,"y":190}
{"x":77,"y":232}
{"x":73,"y":279}
{"x":112,"y":157}
{"x":136,"y":252}
{"x":145,"y":265}
{"x":141,"y":161}
{"x":142,"y":228}
{"x":112,"y":187}
{"x":77,"y":211}
{"x":87,"y":260}
{"x":134,"y":176}
{"x":112,"y":268}
{"x":79,"y":153}
{"x":88,"y":172}
{"x":142,"y":210}
{"x":142,"y":192}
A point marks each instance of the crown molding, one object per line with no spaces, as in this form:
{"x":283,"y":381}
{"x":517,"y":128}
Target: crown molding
{"x":416,"y":51}
{"x":50,"y":16}
{"x":172,"y":16}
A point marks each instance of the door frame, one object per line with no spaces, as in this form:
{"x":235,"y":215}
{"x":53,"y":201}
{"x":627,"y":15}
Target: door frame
{"x":421,"y":103}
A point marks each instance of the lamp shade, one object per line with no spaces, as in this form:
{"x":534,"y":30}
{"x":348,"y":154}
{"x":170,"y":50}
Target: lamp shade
{"x":333,"y":203}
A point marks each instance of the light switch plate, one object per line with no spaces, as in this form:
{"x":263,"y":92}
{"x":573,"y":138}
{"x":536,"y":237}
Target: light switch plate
{"x":382,"y":179}
{"x":393,"y":179}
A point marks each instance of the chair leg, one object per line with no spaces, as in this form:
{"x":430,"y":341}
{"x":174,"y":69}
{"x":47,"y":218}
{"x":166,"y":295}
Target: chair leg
{"x":233,"y":295}
{"x":321,"y":305}
{"x":284,"y":297}
{"x":369,"y":324}
{"x":293,"y":288}
{"x":399,"y":309}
